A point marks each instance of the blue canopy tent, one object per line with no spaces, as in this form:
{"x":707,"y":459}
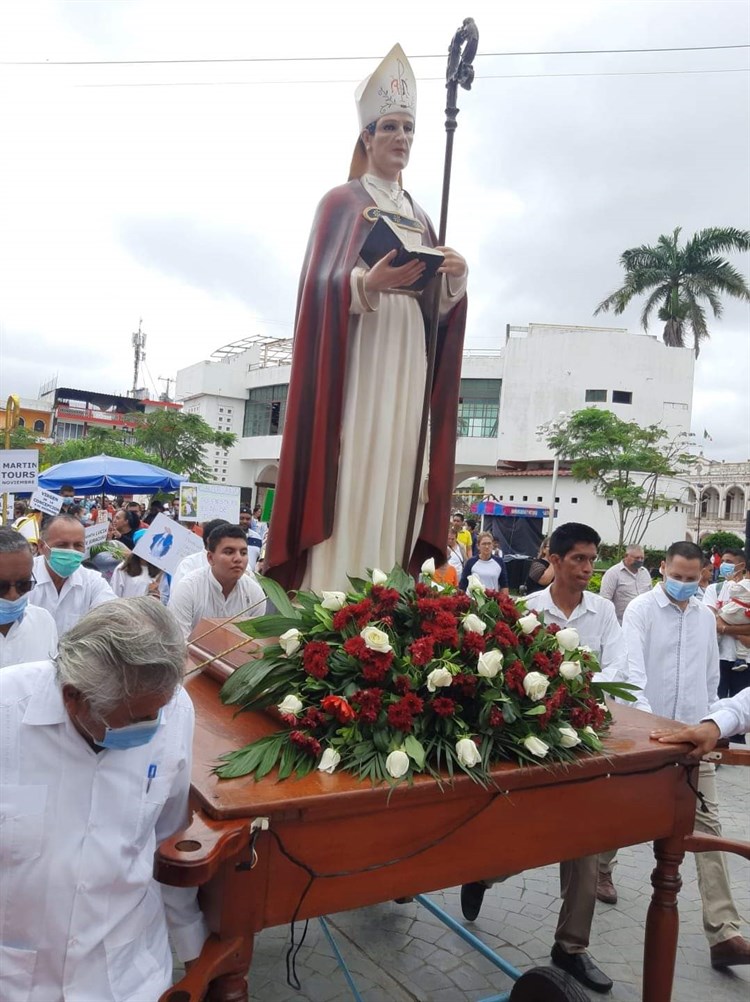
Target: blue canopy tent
{"x":519,"y":530}
{"x":108,"y":474}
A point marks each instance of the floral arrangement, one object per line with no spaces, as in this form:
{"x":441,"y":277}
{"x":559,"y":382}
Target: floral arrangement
{"x":396,"y":678}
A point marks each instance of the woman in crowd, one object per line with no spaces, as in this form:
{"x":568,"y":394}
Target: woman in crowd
{"x":487,"y":567}
{"x":124,"y":524}
{"x":541,"y":572}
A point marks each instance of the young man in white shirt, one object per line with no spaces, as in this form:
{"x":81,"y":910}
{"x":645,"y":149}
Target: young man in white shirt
{"x":572,"y":553}
{"x":222,"y":589}
{"x":65,"y":589}
{"x":95,"y":766}
{"x":27,"y":633}
{"x":673,"y":654}
{"x":626,"y":580}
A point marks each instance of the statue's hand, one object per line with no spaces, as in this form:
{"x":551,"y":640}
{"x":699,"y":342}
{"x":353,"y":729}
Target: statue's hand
{"x":382,"y":276}
{"x":453,"y":265}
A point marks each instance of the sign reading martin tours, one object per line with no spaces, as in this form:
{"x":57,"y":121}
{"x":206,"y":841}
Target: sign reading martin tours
{"x":46,"y":501}
{"x":203,"y":502}
{"x":19,"y":469}
{"x":165,"y":544}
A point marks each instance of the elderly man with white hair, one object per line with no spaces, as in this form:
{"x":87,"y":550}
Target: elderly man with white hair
{"x":95,"y":770}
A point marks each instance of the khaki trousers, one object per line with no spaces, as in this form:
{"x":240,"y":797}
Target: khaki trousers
{"x":721,"y":919}
{"x":578,"y":892}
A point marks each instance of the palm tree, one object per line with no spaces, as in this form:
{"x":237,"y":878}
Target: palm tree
{"x":675,"y":279}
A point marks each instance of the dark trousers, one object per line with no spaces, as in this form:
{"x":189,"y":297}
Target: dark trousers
{"x":730,"y":683}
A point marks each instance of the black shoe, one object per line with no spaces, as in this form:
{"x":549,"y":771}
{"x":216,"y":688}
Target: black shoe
{"x":581,"y":967}
{"x":472,"y":896}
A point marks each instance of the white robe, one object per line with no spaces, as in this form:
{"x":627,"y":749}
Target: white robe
{"x":384,"y":387}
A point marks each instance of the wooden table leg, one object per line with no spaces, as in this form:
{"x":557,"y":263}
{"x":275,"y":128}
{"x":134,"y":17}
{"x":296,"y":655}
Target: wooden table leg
{"x":662,"y":921}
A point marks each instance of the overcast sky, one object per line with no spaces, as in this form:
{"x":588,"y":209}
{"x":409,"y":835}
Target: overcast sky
{"x":183,"y":192}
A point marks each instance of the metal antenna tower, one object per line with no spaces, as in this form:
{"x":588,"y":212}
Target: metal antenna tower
{"x":139,"y":354}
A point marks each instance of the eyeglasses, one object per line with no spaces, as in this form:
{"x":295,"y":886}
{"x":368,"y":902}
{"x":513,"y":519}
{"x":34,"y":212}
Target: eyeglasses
{"x":22,"y":587}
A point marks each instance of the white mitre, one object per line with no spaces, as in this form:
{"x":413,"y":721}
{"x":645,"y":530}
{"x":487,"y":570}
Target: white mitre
{"x":390,"y":89}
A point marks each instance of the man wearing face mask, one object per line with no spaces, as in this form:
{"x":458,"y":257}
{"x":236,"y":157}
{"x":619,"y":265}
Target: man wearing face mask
{"x":27,"y":633}
{"x":625,"y":581}
{"x":731,"y":569}
{"x":674,"y":659}
{"x":95,"y":766}
{"x":65,"y":589}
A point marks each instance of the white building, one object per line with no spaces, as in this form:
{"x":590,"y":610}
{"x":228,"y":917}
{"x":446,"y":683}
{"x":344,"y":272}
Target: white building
{"x":724,"y":492}
{"x":506,"y":394}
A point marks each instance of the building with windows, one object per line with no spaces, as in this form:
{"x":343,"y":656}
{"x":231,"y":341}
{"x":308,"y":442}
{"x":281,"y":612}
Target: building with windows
{"x":718,"y":498}
{"x":506,"y":393}
{"x":36,"y":417}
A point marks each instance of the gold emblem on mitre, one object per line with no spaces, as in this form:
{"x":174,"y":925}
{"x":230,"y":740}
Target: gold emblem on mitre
{"x":390,"y":89}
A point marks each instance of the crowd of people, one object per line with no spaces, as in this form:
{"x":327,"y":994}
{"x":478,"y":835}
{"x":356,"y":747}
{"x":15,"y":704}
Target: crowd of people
{"x":95,"y":674}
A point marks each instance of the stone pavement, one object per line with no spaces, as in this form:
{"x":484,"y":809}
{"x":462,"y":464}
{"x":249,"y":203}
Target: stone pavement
{"x":400,"y":953}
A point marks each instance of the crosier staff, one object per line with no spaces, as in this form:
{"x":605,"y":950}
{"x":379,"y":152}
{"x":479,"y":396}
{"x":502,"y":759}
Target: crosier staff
{"x":459,"y":71}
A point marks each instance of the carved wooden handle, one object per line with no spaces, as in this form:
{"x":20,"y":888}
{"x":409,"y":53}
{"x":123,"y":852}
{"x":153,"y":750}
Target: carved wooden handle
{"x":192,"y":857}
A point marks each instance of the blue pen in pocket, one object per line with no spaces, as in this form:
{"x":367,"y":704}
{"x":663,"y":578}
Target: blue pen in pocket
{"x":151,"y":775}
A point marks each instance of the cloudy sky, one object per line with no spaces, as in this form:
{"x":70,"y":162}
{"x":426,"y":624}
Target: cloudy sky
{"x":163,"y":160}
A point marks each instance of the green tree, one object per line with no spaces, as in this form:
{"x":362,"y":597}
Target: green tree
{"x":677,"y":278}
{"x":178,"y":441}
{"x":722,"y":541}
{"x":626,"y":463}
{"x":22,"y":438}
{"x":98,"y":441}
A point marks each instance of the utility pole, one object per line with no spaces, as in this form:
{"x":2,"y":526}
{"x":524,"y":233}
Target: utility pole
{"x":165,"y":397}
{"x":139,"y":354}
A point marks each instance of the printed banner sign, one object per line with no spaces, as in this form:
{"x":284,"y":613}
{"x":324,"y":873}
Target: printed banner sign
{"x":165,"y":543}
{"x":19,"y":469}
{"x":188,"y":502}
{"x":203,"y":502}
{"x":95,"y":534}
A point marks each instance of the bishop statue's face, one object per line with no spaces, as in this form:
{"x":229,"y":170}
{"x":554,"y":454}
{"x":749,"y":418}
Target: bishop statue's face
{"x":389,"y":147}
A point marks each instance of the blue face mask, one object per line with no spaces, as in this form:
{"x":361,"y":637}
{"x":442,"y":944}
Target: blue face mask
{"x":10,"y":611}
{"x":64,"y":562}
{"x":680,"y":591}
{"x":726,"y":570}
{"x":131,"y":736}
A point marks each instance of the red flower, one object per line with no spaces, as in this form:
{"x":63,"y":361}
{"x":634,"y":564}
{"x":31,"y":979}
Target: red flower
{"x":369,"y":702}
{"x":339,"y":708}
{"x":315,"y":658}
{"x":545,"y":664}
{"x":422,"y":650}
{"x":400,"y":717}
{"x":443,"y":628}
{"x":504,"y":636}
{"x":358,"y":612}
{"x":402,"y":684}
{"x":515,"y":673}
{"x":312,"y":718}
{"x":553,"y":628}
{"x":473,"y":644}
{"x":356,"y":647}
{"x":377,"y":666}
{"x":384,"y":600}
{"x":413,"y":702}
{"x":443,"y":706}
{"x":466,"y":685}
{"x":305,"y":743}
{"x":496,"y":717}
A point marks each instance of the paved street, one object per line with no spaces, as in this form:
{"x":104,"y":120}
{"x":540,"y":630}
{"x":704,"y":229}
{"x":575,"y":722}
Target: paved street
{"x":400,"y":953}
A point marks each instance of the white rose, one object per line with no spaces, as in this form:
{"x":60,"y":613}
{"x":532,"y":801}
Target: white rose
{"x":592,"y":736}
{"x":376,"y":639}
{"x":586,"y":649}
{"x":473,"y":624}
{"x":436,"y":586}
{"x":528,"y":623}
{"x":333,"y":600}
{"x":329,"y":760}
{"x":569,"y":737}
{"x":290,"y":641}
{"x":290,"y":704}
{"x":535,"y":684}
{"x":468,"y":753}
{"x":536,"y":746}
{"x":568,"y":639}
{"x":428,"y":567}
{"x":378,"y":577}
{"x":489,"y":664}
{"x":570,"y":669}
{"x":438,"y":678}
{"x":475,"y":586}
{"x":397,"y":764}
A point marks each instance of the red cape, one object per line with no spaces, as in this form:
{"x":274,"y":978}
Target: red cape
{"x":303,"y":507}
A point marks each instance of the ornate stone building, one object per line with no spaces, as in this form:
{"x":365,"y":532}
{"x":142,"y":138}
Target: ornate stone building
{"x":724,"y":493}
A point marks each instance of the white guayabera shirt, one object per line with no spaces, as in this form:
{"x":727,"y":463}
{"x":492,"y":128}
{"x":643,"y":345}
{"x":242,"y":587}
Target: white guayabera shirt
{"x":81,"y":917}
{"x":32,"y":638}
{"x":199,"y":596}
{"x":80,"y":593}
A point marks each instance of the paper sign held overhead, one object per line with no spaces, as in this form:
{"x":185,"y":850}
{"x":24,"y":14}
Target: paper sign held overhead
{"x":165,"y":543}
{"x":203,"y":502}
{"x":95,"y":534}
{"x":46,"y":501}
